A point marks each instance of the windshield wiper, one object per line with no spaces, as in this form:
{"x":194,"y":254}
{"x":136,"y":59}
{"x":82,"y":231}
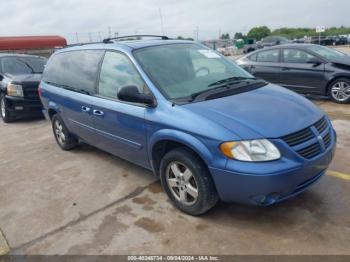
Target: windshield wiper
{"x":231,"y":79}
{"x":209,"y":91}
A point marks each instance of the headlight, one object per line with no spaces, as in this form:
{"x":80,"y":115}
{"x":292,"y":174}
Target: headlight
{"x":14,"y":90}
{"x":250,"y":150}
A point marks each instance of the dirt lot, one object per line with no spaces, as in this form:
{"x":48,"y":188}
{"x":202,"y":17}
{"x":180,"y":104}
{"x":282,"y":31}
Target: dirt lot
{"x":89,"y":202}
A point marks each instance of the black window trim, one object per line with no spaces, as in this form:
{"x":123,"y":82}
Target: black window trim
{"x":96,"y":94}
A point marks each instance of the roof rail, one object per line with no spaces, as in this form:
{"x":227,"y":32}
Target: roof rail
{"x":80,"y":44}
{"x":109,"y":40}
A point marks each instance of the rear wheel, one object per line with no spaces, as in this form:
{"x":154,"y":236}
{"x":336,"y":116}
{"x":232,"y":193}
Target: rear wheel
{"x":4,"y":112}
{"x":63,"y":137}
{"x":339,"y":90}
{"x":187,"y":182}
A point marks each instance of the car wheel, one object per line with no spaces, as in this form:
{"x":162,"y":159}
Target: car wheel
{"x":5,"y":114}
{"x":187,"y":182}
{"x":63,"y":137}
{"x":339,"y":90}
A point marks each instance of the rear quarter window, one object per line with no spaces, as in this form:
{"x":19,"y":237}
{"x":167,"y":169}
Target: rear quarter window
{"x":75,"y":69}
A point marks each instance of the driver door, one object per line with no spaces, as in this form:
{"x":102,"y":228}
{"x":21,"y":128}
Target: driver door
{"x":300,"y":73}
{"x":120,"y":126}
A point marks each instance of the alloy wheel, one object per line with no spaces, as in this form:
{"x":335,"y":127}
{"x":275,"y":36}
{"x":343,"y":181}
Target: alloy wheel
{"x":59,"y":132}
{"x":341,"y":91}
{"x":182,"y":183}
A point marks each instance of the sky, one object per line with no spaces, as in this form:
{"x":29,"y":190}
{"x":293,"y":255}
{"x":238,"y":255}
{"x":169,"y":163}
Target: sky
{"x":85,"y":20}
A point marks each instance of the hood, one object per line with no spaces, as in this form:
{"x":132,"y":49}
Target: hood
{"x":24,"y":78}
{"x":345,"y":60}
{"x":267,"y":112}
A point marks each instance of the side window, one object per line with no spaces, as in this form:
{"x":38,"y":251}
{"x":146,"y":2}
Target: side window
{"x":296,"y":56}
{"x":118,"y":71}
{"x":75,"y":69}
{"x":270,"y":56}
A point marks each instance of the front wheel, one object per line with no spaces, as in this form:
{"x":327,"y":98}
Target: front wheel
{"x":187,"y":182}
{"x":339,"y":90}
{"x":4,"y":112}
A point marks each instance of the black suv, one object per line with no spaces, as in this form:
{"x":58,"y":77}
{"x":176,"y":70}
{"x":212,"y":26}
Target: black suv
{"x":19,"y":81}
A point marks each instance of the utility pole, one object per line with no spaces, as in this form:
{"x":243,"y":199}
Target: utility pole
{"x":77,"y":38}
{"x":109,"y":32}
{"x":115,"y":34}
{"x":197,"y":32}
{"x":90,"y":37}
{"x":161,"y":21}
{"x":99,"y":36}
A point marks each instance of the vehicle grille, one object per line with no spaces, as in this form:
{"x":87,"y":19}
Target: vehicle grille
{"x":30,"y":91}
{"x":313,"y":146}
{"x":310,"y":151}
{"x":298,"y":137}
{"x":321,"y":125}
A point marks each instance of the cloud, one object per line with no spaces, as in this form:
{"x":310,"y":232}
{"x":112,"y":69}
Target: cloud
{"x":91,"y":19}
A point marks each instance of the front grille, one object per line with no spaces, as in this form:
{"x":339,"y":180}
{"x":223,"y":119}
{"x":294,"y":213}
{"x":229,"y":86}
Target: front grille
{"x":30,"y":91}
{"x":298,"y":137}
{"x":310,"y":151}
{"x":321,"y":125}
{"x":305,"y":141}
{"x":327,"y":140}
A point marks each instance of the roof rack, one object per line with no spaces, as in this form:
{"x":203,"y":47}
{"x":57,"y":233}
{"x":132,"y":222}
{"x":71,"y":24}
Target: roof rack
{"x":109,"y":40}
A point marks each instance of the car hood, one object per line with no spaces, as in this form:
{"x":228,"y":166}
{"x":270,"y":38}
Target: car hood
{"x":267,"y":112}
{"x":345,"y":60}
{"x":24,"y":78}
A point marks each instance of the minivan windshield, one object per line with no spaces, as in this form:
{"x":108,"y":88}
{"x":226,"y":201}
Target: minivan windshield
{"x":23,"y":65}
{"x":326,"y":52}
{"x":184,"y":70}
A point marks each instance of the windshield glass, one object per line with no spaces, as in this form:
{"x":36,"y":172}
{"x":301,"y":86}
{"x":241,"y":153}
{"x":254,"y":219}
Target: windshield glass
{"x":23,"y":65}
{"x":181,"y":70}
{"x":326,"y":52}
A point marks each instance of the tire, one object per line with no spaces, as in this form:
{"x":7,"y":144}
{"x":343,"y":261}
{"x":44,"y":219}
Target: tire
{"x":181,"y":186}
{"x":339,"y":90}
{"x":64,"y":138}
{"x":4,"y":112}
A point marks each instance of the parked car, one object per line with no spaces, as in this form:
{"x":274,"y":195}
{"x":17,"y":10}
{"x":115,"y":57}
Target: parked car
{"x":273,"y":40}
{"x":250,"y":46}
{"x":19,"y":81}
{"x":206,"y":127}
{"x":304,"y":68}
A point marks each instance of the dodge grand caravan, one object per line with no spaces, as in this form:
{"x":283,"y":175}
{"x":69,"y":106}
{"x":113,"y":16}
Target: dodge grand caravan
{"x":206,"y":127}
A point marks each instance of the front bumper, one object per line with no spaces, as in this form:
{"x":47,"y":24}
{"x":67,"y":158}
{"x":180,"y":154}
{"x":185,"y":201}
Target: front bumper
{"x":269,"y":182}
{"x":21,"y":107}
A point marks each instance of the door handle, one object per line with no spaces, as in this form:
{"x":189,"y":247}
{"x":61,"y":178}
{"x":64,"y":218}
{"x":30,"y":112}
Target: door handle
{"x":85,"y":109}
{"x":98,"y":113}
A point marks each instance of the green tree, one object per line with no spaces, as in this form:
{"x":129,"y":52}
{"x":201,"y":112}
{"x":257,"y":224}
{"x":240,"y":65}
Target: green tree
{"x":225,"y":36}
{"x":239,"y":35}
{"x":259,"y":32}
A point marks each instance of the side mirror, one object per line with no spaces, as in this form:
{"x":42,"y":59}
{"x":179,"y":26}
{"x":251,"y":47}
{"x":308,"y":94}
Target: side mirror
{"x":314,"y":61}
{"x":1,"y":77}
{"x":132,"y":94}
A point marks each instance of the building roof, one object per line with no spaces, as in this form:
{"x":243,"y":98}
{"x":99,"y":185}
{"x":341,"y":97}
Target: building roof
{"x":31,"y":42}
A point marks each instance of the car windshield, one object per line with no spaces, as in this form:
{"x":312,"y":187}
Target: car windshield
{"x":23,"y":65}
{"x":183,"y":70}
{"x":326,"y":52}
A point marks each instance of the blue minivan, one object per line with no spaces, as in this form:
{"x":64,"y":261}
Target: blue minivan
{"x":206,"y":127}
